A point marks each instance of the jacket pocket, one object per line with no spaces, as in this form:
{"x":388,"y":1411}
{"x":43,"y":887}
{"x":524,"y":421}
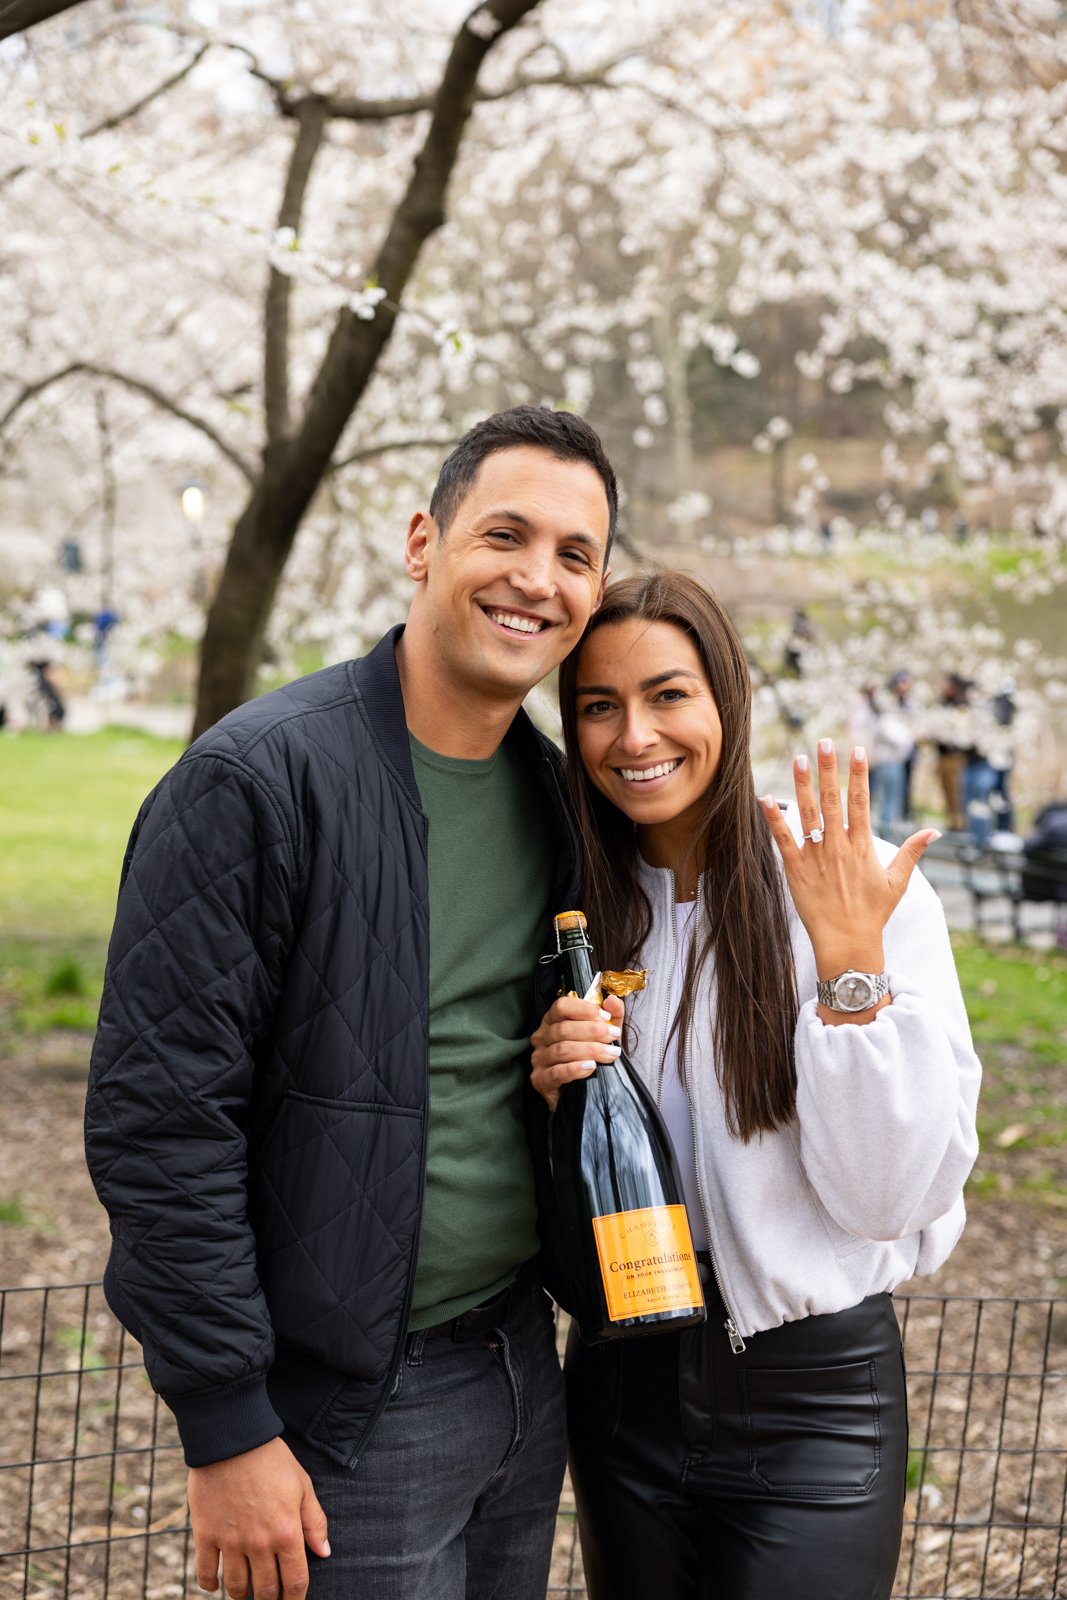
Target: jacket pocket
{"x":813,"y":1432}
{"x":335,"y":1202}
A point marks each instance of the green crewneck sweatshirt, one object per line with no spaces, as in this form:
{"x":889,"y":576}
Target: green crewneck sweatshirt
{"x":491,"y":868}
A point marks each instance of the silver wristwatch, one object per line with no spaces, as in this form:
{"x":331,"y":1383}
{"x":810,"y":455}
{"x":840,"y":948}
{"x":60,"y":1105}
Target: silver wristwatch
{"x":853,"y":991}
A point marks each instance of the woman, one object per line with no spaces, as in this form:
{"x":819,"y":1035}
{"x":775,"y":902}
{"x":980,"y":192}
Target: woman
{"x":823,"y":1149}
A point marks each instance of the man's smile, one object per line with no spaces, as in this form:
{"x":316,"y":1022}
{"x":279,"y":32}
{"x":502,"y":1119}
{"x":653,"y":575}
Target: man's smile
{"x":516,"y":622}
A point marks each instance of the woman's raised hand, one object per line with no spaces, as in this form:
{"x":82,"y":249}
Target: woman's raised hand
{"x":843,"y":894}
{"x":574,"y":1036}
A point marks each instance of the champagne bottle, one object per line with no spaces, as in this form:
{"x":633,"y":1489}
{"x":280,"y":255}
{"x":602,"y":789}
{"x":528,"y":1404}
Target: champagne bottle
{"x":626,"y":1235}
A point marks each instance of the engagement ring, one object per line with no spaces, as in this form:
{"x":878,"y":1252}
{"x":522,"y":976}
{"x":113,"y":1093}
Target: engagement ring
{"x":815,"y":836}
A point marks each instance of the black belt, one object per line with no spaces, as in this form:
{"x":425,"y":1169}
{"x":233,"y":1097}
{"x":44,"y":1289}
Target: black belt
{"x":480,"y":1319}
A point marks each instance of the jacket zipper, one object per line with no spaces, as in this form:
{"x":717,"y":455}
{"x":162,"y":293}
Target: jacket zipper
{"x":737,"y":1344}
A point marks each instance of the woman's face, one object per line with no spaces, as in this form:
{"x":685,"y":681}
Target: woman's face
{"x":649,"y":733}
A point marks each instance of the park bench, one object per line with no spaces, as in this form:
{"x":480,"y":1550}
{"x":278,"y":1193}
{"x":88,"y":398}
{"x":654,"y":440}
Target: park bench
{"x":1007,"y":882}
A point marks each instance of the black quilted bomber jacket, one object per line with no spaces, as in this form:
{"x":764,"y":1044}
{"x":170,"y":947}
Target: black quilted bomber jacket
{"x":256,"y":1116}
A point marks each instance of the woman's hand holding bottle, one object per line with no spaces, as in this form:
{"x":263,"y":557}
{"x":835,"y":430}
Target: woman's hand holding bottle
{"x":574,"y":1037}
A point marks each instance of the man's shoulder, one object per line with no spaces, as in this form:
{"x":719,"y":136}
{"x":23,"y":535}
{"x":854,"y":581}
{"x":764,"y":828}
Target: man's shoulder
{"x":304,"y":743}
{"x":284,"y":720}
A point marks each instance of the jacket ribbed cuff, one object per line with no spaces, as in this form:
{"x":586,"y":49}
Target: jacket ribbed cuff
{"x":218,"y":1423}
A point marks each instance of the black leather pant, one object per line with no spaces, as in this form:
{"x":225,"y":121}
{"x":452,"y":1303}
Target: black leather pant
{"x":776,"y":1474}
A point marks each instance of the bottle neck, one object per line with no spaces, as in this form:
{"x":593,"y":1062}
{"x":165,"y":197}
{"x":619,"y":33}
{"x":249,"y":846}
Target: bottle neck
{"x":576,"y":967}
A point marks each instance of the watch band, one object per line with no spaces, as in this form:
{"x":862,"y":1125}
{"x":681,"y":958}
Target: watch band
{"x":852,"y":990}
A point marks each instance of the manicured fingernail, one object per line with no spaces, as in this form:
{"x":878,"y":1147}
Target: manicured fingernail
{"x":613,"y":1050}
{"x":326,"y":1548}
{"x":932,"y":834}
{"x":826,"y":747}
{"x":767,"y":801}
{"x":859,"y":754}
{"x":801,"y":763}
{"x":605,"y":1016}
{"x":586,"y":1067}
{"x":614,"y":1032}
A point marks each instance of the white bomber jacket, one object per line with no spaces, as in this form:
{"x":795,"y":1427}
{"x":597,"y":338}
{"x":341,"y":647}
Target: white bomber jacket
{"x":864,"y":1188}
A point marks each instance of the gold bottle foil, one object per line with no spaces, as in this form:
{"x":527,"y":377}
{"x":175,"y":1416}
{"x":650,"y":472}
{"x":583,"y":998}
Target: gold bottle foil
{"x":617,"y":983}
{"x":623,"y":983}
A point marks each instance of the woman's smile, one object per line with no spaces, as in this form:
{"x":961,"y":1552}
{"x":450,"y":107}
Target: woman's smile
{"x":650,"y":775}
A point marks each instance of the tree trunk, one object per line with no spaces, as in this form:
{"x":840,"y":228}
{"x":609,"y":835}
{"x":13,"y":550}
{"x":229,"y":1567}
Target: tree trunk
{"x":293,"y":469}
{"x":18,"y":15}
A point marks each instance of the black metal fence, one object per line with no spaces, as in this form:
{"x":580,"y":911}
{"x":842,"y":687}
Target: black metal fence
{"x":92,"y":1487}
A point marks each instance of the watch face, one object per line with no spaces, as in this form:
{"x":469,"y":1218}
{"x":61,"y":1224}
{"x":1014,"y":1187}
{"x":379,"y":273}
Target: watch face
{"x":855,"y":991}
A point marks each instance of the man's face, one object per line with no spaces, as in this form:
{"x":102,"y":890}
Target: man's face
{"x":509,"y":589}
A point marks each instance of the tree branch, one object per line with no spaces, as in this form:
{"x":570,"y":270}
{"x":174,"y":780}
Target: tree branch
{"x":353,"y":109}
{"x":175,"y":78}
{"x":289,"y":98}
{"x":120,"y":117}
{"x":136,"y":385}
{"x":369,"y":452}
{"x":311,"y":120}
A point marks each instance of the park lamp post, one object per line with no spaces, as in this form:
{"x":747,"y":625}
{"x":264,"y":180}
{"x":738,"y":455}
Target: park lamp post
{"x":193,"y":501}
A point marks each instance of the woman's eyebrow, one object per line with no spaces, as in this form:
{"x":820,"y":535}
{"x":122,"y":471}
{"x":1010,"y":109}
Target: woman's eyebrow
{"x":672,"y":672}
{"x":646,"y":683}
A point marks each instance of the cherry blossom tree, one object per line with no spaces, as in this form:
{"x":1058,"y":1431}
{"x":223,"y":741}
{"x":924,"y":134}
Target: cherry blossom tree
{"x":296,"y":271}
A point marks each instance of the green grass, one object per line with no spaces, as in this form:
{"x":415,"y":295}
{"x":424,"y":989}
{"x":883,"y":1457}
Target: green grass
{"x":13,"y":1213}
{"x":920,"y":1469}
{"x":67,"y":803}
{"x":1017,"y":1002}
{"x":65,"y":978}
{"x":26,"y":965}
{"x":84,"y":1345}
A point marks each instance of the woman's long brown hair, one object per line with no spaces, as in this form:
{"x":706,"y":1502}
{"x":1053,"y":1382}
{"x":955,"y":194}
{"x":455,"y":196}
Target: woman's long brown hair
{"x":743,"y":920}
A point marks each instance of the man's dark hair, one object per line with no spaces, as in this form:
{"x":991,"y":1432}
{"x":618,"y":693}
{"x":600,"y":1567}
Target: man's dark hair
{"x":561,"y":433}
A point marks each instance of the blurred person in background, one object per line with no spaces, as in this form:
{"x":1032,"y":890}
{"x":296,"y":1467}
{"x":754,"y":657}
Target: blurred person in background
{"x":988,"y":764}
{"x":950,"y":727}
{"x":49,"y":700}
{"x":876,"y":723}
{"x":900,"y":686}
{"x":1002,"y":756}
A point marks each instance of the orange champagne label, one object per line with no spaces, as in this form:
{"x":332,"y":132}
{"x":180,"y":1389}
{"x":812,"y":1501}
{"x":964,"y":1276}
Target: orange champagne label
{"x":647,"y":1261}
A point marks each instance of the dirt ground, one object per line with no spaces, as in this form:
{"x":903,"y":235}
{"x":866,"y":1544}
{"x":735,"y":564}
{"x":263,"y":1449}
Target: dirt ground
{"x":1011,"y":1248}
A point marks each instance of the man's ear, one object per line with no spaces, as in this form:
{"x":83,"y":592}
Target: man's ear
{"x":599,"y":601}
{"x":422,"y":531}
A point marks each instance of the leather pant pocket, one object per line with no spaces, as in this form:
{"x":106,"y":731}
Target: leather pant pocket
{"x":813,"y":1432}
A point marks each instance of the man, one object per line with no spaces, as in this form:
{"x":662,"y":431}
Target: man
{"x":305,"y":1112}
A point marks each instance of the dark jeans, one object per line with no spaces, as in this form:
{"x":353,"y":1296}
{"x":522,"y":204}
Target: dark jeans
{"x":777,"y":1474}
{"x":455,"y":1496}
